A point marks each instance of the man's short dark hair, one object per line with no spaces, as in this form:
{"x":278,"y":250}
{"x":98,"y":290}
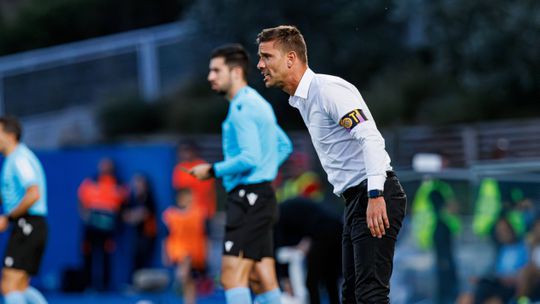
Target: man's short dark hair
{"x":235,"y":56}
{"x":288,"y":38}
{"x":11,"y":125}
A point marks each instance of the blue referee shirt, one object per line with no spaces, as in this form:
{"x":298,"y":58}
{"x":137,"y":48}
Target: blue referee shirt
{"x":22,"y":169}
{"x":254,"y":145}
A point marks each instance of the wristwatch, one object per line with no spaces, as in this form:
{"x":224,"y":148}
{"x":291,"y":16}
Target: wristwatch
{"x":11,"y":218}
{"x":375,"y":193}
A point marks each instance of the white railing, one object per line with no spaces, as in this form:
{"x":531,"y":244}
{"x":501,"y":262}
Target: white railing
{"x":83,"y":62}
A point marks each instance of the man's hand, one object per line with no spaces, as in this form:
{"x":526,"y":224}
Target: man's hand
{"x":201,"y":171}
{"x":4,"y":223}
{"x":377,"y":219}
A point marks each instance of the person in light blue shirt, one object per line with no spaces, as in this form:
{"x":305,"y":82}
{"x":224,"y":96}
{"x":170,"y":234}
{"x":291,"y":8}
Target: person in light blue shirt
{"x":249,"y":158}
{"x":24,"y":197}
{"x":254,"y":147}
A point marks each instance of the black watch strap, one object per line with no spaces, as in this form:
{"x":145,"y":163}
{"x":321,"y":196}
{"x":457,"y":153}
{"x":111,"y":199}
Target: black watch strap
{"x":375,"y":193}
{"x":11,"y":218}
{"x":211,"y":171}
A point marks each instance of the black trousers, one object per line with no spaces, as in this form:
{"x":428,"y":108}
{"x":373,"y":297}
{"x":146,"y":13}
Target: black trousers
{"x":324,"y":268}
{"x":367,"y":260}
{"x":98,"y":247}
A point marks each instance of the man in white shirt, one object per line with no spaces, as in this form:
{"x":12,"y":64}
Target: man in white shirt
{"x":352,"y":152}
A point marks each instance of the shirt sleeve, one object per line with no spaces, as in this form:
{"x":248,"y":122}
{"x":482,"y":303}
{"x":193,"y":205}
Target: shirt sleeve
{"x":245,"y":128}
{"x":285,"y":147}
{"x":347,"y":108}
{"x":25,"y":172}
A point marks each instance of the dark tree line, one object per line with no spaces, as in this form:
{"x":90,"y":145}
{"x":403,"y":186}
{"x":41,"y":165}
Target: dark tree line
{"x":414,"y":61}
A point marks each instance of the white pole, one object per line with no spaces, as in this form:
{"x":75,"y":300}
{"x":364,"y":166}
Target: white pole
{"x":148,"y":70}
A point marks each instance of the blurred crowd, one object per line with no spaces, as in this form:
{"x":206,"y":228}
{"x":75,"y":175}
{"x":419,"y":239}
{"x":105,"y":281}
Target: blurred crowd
{"x":108,"y":206}
{"x":504,"y":218}
{"x":307,"y":234}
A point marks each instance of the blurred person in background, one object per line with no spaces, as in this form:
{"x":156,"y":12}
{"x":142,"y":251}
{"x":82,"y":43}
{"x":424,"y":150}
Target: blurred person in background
{"x":254,"y":147}
{"x":24,"y":197}
{"x":352,"y":152}
{"x":496,"y":198}
{"x":499,"y":286}
{"x":528,"y":285}
{"x":302,"y":182}
{"x":204,"y":191}
{"x":139,"y":213}
{"x":435,"y":224}
{"x":185,"y":246}
{"x":100,"y":199}
{"x":315,"y":231}
{"x":443,"y":241}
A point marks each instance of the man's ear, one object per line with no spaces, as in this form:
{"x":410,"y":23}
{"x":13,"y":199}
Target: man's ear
{"x":237,"y":72}
{"x":291,"y":58}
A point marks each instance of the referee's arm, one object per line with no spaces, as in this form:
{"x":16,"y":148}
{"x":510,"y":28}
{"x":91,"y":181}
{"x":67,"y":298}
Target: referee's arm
{"x":285,"y":146}
{"x":30,"y":197}
{"x":249,"y":145}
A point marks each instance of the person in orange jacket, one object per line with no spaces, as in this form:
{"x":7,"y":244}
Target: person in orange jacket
{"x":100,"y":201}
{"x":185,"y":246}
{"x":204,"y":192}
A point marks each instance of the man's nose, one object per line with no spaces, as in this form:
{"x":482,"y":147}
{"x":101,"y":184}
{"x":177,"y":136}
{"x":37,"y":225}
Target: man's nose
{"x":260,"y":64}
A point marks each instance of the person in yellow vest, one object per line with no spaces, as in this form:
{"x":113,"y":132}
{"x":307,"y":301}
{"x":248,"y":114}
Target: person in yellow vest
{"x":443,"y":245}
{"x":435,"y":224}
{"x":424,"y":217}
{"x":489,"y":207}
{"x":303,"y":182}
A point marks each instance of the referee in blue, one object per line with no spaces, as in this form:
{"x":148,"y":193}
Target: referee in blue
{"x":24,"y":196}
{"x":254,"y":146}
{"x":352,"y":152}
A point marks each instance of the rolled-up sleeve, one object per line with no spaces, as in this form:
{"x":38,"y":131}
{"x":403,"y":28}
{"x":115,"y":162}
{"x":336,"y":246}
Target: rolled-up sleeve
{"x":347,"y":108}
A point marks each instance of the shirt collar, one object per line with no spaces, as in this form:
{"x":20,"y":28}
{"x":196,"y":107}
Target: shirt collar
{"x":305,"y":82}
{"x":240,"y":92}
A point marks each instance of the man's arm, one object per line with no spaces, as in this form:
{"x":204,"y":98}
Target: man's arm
{"x":245,"y":129}
{"x":30,"y":197}
{"x":248,"y":142}
{"x":347,"y":108}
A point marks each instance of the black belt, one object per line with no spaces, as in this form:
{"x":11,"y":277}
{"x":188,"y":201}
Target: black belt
{"x":351,"y":192}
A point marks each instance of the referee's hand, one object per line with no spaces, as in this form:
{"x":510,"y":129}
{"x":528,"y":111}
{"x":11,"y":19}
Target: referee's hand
{"x":201,"y":171}
{"x":4,"y":223}
{"x":377,"y":219}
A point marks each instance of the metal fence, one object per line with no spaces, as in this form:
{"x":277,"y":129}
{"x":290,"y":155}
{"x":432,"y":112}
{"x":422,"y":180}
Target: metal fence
{"x":46,"y":87}
{"x":145,"y":63}
{"x":466,"y":144}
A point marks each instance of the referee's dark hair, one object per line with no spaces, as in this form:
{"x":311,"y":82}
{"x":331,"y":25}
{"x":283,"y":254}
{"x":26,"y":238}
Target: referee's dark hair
{"x":235,"y":56}
{"x":11,"y":125}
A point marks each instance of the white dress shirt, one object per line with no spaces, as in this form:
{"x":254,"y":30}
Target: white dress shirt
{"x":342,"y":130}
